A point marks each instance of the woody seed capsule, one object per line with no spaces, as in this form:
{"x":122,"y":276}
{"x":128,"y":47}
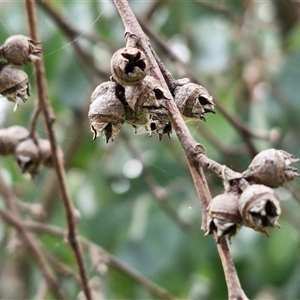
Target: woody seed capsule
{"x":129,"y":66}
{"x":13,"y":84}
{"x":259,"y":207}
{"x":271,"y":167}
{"x":27,"y":156}
{"x":192,"y":100}
{"x":106,"y":113}
{"x":10,"y":137}
{"x":20,"y":50}
{"x":223,"y":216}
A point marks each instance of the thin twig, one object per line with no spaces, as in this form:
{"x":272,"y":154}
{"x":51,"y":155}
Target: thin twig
{"x":15,"y":220}
{"x":36,"y":252}
{"x":46,"y":109}
{"x":113,"y":261}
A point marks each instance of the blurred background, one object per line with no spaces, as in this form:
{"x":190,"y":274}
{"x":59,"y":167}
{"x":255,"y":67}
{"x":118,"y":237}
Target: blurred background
{"x":135,"y":195}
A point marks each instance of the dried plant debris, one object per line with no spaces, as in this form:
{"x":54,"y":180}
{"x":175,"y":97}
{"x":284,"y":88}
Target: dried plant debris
{"x":13,"y":84}
{"x":20,"y":50}
{"x":223,"y":217}
{"x":259,"y":207}
{"x":271,"y":167}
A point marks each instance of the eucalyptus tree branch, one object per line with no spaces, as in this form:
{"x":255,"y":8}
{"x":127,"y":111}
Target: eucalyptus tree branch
{"x":15,"y":220}
{"x":36,"y":251}
{"x":157,"y":291}
{"x":189,"y":145}
{"x":44,"y":105}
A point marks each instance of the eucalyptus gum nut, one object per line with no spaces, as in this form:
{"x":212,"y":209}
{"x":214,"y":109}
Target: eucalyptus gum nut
{"x":271,"y":167}
{"x":102,"y":89}
{"x":192,"y":100}
{"x":20,"y":50}
{"x":10,"y":137}
{"x":27,"y":156}
{"x":259,"y":207}
{"x":223,"y":216}
{"x":129,"y":66}
{"x":107,"y":114}
{"x":13,"y":83}
{"x":146,"y":93}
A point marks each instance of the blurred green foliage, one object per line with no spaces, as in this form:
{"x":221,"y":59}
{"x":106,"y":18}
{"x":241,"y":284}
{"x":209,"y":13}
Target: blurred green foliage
{"x":246,"y":63}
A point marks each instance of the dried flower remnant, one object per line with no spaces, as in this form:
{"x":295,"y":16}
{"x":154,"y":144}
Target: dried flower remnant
{"x":192,"y":100}
{"x":10,"y":137}
{"x":129,"y":66}
{"x":107,"y":114}
{"x":13,"y":84}
{"x":223,"y":216}
{"x":20,"y":50}
{"x":271,"y":167}
{"x":259,"y":207}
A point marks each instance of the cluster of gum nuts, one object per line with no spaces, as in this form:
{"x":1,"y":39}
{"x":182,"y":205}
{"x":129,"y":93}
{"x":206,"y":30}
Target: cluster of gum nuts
{"x":17,"y":51}
{"x":29,"y":151}
{"x":135,"y":97}
{"x":250,"y":199}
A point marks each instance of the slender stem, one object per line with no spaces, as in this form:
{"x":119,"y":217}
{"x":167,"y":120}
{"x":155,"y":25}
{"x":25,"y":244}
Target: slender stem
{"x":44,"y":105}
{"x":13,"y":219}
{"x":113,"y":261}
{"x":235,"y":291}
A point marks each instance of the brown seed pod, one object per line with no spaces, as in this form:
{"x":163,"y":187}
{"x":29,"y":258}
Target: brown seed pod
{"x":10,"y":137}
{"x":192,"y":100}
{"x":145,"y":94}
{"x":129,"y":66}
{"x":27,"y":156}
{"x":13,"y":84}
{"x":107,"y":114}
{"x":271,"y":167}
{"x":102,"y":89}
{"x":259,"y":207}
{"x":20,"y":50}
{"x":223,"y":216}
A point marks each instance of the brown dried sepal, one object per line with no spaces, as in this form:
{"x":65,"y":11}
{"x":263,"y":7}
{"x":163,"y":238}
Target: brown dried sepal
{"x":13,"y":83}
{"x":271,"y":167}
{"x":27,"y":156}
{"x":10,"y":137}
{"x":192,"y":100}
{"x":20,"y":50}
{"x":259,"y":207}
{"x":107,"y":114}
{"x":223,"y":217}
{"x":129,"y":66}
